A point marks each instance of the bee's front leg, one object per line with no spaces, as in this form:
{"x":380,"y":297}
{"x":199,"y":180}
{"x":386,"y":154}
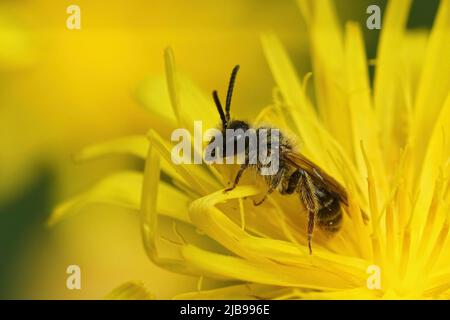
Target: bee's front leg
{"x":273,"y":184}
{"x":259,"y":202}
{"x":237,"y":178}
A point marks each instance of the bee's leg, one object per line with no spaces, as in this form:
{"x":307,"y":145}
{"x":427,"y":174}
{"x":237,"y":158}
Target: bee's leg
{"x":238,"y":177}
{"x":292,"y":183}
{"x":257,"y":203}
{"x":309,"y":199}
{"x":311,"y":223}
{"x":273,"y":184}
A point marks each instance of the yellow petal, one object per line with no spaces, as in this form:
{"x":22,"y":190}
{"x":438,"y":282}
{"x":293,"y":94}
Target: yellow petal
{"x":304,"y":119}
{"x":250,"y":291}
{"x":188,"y":102}
{"x":386,"y":82}
{"x":118,"y":189}
{"x":149,"y":219}
{"x":285,"y":75}
{"x":350,"y":294}
{"x":132,"y":290}
{"x":199,"y":179}
{"x":363,"y":119}
{"x":136,"y":145}
{"x":218,"y":226}
{"x":260,"y":272}
{"x":133,"y":145}
{"x":435,"y":161}
{"x":434,"y":84}
{"x":124,"y":189}
{"x":153,"y":95}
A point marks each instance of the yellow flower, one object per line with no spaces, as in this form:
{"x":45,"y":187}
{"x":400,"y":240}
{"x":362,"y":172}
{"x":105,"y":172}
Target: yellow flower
{"x":388,"y":144}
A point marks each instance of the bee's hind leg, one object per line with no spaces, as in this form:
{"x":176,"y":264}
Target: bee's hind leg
{"x":309,"y":199}
{"x":237,"y":178}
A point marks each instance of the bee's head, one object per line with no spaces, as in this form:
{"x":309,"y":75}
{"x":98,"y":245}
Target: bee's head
{"x":226,"y":122}
{"x":239,"y":127}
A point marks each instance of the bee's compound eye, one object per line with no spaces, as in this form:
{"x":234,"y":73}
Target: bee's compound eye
{"x":236,"y":142}
{"x":238,"y":136}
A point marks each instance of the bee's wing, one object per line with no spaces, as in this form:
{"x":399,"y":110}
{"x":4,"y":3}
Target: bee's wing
{"x":317,"y":174}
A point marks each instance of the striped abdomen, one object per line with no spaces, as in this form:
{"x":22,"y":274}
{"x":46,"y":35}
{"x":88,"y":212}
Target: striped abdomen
{"x":329,"y":216}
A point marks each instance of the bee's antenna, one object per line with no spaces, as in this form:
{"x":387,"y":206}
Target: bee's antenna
{"x":220,"y":109}
{"x":230,"y":91}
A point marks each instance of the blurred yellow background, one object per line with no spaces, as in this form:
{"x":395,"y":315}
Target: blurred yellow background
{"x":62,"y":89}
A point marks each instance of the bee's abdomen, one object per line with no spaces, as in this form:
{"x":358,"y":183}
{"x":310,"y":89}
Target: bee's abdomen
{"x":329,"y":215}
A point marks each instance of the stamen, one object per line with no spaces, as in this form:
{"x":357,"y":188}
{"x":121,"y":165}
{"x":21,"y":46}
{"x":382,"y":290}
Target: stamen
{"x":374,"y":208}
{"x":438,"y":246}
{"x":391,"y":247}
{"x":431,"y":217}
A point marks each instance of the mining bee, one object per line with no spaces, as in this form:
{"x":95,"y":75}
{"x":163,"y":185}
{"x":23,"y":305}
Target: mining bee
{"x":321,"y":194}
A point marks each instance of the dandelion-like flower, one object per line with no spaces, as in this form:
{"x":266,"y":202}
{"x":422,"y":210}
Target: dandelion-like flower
{"x":388,"y":144}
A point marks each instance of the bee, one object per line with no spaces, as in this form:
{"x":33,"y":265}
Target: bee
{"x":320,"y":193}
